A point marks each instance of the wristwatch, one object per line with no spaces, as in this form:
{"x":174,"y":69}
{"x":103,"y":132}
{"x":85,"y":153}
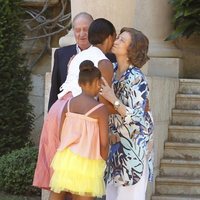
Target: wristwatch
{"x":116,"y":104}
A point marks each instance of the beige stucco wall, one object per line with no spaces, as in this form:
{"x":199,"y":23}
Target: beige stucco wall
{"x":112,"y":10}
{"x":153,"y":17}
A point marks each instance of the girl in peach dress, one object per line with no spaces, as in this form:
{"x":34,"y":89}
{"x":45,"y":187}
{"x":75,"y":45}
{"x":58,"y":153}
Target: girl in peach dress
{"x":79,"y":163}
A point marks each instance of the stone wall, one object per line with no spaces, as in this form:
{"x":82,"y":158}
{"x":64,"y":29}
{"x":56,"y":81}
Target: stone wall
{"x":37,"y":100}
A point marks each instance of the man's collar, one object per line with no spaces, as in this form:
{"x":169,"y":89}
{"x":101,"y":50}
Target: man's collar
{"x":78,"y":49}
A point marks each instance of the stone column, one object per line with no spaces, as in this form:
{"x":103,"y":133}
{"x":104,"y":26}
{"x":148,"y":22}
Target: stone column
{"x":153,"y":17}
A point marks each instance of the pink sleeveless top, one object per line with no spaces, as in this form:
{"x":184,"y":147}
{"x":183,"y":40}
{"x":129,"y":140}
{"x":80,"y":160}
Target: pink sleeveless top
{"x":80,"y":133}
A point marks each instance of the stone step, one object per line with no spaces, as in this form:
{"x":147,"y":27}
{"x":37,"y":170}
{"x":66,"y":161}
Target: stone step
{"x":174,"y":197}
{"x":179,"y":177}
{"x":181,"y":150}
{"x":189,"y":86}
{"x":184,"y":133}
{"x":186,"y":117}
{"x":188,"y":101}
{"x":174,"y":167}
{"x":178,"y":185}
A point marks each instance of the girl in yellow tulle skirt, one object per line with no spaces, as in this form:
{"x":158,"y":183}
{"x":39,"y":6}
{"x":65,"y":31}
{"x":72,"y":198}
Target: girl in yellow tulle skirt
{"x":79,"y":163}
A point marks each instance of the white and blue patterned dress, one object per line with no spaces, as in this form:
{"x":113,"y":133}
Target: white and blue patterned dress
{"x":126,"y":158}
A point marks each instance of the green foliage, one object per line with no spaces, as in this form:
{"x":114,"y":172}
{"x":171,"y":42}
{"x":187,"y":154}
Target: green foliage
{"x":186,"y":18}
{"x":17,"y":170}
{"x":16,"y":117}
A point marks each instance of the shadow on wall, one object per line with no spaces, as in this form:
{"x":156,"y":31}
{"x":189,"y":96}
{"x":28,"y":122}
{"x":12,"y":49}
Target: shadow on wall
{"x":191,"y":56}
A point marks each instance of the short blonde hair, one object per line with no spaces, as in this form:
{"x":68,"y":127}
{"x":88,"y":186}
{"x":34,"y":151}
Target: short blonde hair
{"x":138,"y":49}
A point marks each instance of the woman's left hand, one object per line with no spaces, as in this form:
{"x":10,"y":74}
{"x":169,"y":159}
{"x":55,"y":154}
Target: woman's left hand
{"x":107,"y":92}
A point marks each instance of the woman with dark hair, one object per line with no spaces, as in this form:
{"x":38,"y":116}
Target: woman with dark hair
{"x":101,"y":35}
{"x":129,"y":165}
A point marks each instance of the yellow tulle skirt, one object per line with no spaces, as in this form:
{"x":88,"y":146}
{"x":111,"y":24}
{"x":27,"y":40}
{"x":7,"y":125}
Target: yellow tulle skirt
{"x":78,"y":175}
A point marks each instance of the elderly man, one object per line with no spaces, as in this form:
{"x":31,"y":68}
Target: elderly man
{"x":62,"y":56}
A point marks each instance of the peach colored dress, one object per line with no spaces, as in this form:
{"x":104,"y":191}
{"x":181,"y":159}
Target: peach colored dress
{"x":78,"y":166}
